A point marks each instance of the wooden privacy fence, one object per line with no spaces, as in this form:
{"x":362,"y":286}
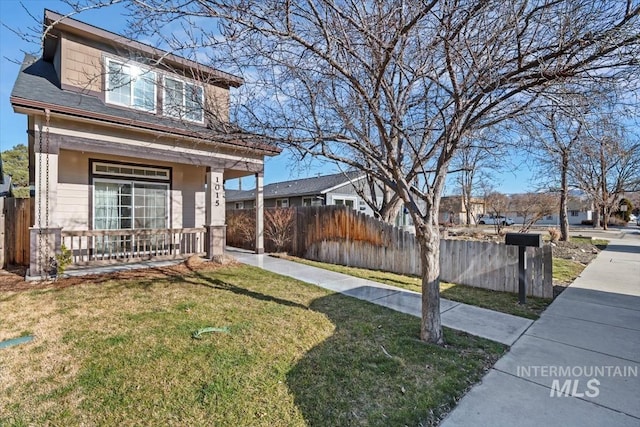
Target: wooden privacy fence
{"x":339,"y":235}
{"x":17,"y":216}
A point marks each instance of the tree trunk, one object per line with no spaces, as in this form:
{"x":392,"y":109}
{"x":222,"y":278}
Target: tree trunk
{"x":596,"y":216}
{"x":606,"y":215}
{"x":390,"y":210}
{"x":428,"y":236}
{"x":564,"y":194}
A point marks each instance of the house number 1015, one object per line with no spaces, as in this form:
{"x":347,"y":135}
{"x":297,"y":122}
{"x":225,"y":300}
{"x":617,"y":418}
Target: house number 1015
{"x":216,"y":187}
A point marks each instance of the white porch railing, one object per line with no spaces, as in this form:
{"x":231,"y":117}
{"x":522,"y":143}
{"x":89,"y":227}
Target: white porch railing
{"x":90,"y":247}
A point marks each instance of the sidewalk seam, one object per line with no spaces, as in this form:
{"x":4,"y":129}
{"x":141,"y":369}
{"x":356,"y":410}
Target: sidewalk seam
{"x":592,"y":321}
{"x":583,"y":348}
{"x":572,"y":396}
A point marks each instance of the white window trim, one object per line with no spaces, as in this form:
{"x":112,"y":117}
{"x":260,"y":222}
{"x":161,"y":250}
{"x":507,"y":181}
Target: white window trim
{"x":141,"y":178}
{"x":184,"y":101}
{"x":239,"y":205}
{"x":108,"y":90}
{"x":132,"y":182}
{"x":345,"y":198}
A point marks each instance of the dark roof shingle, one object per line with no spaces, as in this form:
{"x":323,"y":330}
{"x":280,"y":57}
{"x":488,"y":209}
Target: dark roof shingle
{"x":297,"y":187}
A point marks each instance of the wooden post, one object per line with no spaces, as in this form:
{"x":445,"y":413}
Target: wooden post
{"x":215,"y":214}
{"x":3,"y":243}
{"x":259,"y":214}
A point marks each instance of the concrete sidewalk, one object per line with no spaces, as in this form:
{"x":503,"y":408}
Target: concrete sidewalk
{"x":500,"y":327}
{"x":591,"y":330}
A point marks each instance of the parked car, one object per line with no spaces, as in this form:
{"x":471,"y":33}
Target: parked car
{"x":494,"y":220}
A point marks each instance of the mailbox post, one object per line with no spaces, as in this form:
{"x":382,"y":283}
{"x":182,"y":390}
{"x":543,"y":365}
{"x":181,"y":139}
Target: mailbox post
{"x":522,"y":240}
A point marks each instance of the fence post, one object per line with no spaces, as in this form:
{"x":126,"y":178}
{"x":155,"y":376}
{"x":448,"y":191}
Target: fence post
{"x":547,"y":260}
{"x":2,"y":235}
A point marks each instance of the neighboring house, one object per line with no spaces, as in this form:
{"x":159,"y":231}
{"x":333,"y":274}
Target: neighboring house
{"x":336,"y":189}
{"x":453,"y":210}
{"x":578,"y":209}
{"x":5,"y":182}
{"x":128,"y":148}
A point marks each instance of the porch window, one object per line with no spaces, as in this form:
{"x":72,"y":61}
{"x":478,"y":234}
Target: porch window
{"x":131,"y":86}
{"x":282,"y":203}
{"x":311,"y":201}
{"x":183,"y":100}
{"x":344,"y":202}
{"x":125,"y":205}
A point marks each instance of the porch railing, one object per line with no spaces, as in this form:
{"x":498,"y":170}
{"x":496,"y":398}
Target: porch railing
{"x":118,"y":246}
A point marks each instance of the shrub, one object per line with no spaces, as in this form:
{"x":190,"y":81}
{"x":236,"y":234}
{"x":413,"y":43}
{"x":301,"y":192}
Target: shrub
{"x":63,"y":260}
{"x":554,"y":234}
{"x":625,"y":215}
{"x":278,"y":227}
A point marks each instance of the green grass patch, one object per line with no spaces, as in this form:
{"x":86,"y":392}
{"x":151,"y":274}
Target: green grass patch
{"x":120,"y":352}
{"x":565,"y":270}
{"x":505,"y":302}
{"x":599,"y":243}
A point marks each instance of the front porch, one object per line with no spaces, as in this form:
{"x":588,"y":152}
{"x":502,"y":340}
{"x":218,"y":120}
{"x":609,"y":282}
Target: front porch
{"x":100,"y":247}
{"x":108,"y":207}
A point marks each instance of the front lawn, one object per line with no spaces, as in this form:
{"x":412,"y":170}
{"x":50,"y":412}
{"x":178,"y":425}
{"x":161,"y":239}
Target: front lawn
{"x":119,"y":351}
{"x":505,"y":302}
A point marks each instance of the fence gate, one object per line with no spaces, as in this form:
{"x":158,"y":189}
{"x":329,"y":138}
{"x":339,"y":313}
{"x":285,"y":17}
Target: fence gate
{"x":18,"y":214}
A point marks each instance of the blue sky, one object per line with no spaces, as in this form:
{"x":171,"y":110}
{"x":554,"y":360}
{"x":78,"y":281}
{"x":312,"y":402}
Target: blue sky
{"x":13,"y":126}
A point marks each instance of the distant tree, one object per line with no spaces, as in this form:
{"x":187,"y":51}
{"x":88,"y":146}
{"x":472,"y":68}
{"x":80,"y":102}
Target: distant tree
{"x":532,"y":207}
{"x":555,"y":129}
{"x":15,"y":162}
{"x":473,"y":164}
{"x":624,"y":213}
{"x":498,"y":204}
{"x":607,"y":164}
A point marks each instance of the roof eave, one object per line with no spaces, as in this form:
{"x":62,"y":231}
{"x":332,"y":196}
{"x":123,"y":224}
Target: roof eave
{"x":348,"y":181}
{"x":23,"y":105}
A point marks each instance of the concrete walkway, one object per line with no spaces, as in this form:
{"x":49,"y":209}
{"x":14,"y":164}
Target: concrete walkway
{"x":500,"y":327}
{"x":591,"y":329}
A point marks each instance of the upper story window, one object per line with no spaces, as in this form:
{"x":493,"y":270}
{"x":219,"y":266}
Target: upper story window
{"x":131,"y":86}
{"x":183,"y":100}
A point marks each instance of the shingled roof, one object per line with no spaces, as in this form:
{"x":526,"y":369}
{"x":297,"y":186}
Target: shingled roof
{"x":298,"y":187}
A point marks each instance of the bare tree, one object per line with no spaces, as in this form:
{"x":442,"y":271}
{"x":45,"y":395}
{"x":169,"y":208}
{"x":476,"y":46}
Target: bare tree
{"x":555,"y":129}
{"x":608,"y":164}
{"x":532,"y":207}
{"x":497,"y":205}
{"x":476,"y":159}
{"x":393,"y":87}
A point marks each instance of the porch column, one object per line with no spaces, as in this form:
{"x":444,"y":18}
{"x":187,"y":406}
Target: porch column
{"x":259,"y":214}
{"x":216,"y":236}
{"x":45,"y":234}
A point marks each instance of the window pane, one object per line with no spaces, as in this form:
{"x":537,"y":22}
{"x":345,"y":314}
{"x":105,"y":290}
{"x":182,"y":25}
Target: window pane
{"x":144,"y":96}
{"x":194,"y":102}
{"x":119,"y":84}
{"x":109,"y":209}
{"x":173,"y":97}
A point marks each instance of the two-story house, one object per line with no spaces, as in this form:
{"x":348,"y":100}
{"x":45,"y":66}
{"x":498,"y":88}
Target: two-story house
{"x":129,"y":148}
